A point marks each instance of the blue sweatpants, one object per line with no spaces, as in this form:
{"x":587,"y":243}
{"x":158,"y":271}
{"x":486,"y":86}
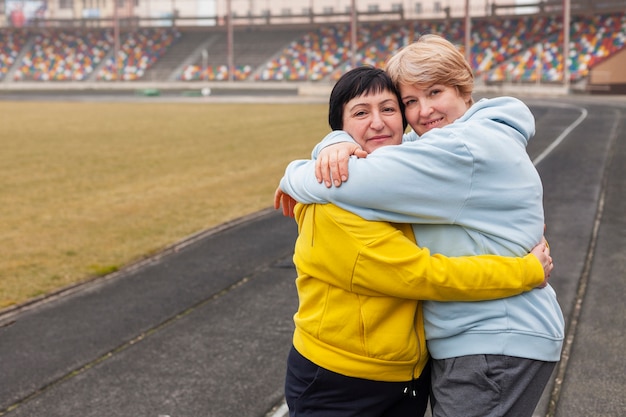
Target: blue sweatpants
{"x":313,"y":391}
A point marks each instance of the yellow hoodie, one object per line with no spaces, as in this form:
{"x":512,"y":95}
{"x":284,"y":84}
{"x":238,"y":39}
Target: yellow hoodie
{"x":359,"y":284}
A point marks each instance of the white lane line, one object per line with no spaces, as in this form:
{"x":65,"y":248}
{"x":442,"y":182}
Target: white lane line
{"x":281,"y":411}
{"x":558,"y":140}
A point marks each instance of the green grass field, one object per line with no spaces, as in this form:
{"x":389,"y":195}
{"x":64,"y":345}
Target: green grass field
{"x":87,"y":188}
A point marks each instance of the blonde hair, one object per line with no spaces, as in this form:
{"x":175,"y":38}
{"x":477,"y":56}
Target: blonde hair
{"x":431,"y":60}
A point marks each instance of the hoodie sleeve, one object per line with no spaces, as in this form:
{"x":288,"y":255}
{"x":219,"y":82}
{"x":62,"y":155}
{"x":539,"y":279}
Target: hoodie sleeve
{"x":381,"y":259}
{"x":426,"y":180}
{"x":416,"y":182}
{"x":339,"y":136}
{"x":336,"y":136}
{"x":388,"y":267}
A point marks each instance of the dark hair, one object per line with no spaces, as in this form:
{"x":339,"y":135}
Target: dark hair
{"x":354,"y":83}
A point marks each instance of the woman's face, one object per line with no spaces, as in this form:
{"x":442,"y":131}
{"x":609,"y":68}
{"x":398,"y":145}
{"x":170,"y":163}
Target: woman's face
{"x":374,"y":120}
{"x":435,"y":106}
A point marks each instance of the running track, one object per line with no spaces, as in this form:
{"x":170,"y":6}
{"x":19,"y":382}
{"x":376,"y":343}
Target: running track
{"x":203,"y":329}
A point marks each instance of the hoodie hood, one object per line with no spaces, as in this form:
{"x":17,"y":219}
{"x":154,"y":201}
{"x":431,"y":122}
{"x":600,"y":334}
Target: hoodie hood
{"x":506,"y":110}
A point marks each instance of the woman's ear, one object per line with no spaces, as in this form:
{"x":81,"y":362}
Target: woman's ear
{"x":468,"y":100}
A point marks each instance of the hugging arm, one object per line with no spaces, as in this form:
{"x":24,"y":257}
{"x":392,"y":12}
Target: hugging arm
{"x":379,"y":258}
{"x":281,"y":199}
{"x":331,"y":165}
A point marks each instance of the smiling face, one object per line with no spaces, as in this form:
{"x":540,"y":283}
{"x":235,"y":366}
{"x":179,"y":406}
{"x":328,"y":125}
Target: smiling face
{"x":434,"y":106}
{"x":374,"y":119}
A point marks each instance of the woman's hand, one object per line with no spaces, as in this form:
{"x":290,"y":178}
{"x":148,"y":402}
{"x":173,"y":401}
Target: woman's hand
{"x":284,"y":200}
{"x":542,"y":252}
{"x":331,"y":165}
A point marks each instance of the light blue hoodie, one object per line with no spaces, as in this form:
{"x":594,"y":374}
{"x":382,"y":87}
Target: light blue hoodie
{"x":468,"y":188}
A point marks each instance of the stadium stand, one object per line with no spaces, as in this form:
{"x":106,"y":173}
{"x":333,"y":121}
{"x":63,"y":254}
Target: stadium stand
{"x":11,"y":43}
{"x":311,"y":57}
{"x":518,"y":49}
{"x":593,"y":38}
{"x":598,"y":37}
{"x":379,"y":41}
{"x":251,"y":49}
{"x":141,"y":49}
{"x":63,"y":55}
{"x":181,"y":55}
{"x":496,"y":40}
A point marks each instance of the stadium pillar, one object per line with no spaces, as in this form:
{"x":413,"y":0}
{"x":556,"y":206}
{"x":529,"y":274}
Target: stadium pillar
{"x":353,"y":20}
{"x":205,"y":65}
{"x":468,"y":32}
{"x":566,"y":23}
{"x":539,"y":68}
{"x":116,"y":42}
{"x":229,"y":21}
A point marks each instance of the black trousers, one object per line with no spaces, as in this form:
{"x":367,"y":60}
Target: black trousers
{"x":312,"y":391}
